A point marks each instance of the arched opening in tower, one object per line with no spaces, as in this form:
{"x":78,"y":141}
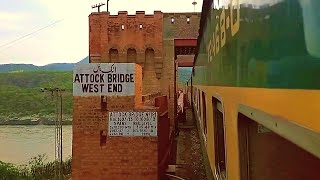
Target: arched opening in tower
{"x":131,"y":55}
{"x":113,"y":55}
{"x":149,"y":58}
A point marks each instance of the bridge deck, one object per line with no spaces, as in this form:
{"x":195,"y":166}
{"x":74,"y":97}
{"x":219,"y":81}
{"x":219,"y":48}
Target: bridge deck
{"x":190,"y":163}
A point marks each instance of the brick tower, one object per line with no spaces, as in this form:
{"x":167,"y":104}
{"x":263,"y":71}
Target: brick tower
{"x":130,"y":39}
{"x":148,"y":41}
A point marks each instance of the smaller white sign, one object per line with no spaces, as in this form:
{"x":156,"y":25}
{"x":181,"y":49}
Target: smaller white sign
{"x":133,"y":123}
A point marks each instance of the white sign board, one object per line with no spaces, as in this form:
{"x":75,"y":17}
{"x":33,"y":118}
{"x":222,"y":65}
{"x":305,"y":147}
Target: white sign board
{"x":133,"y":123}
{"x":104,"y":79}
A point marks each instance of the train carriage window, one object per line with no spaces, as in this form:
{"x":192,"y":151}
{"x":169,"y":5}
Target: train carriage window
{"x":198,"y":100}
{"x":195,"y":98}
{"x":219,"y":138}
{"x":192,"y":95}
{"x":264,"y":153}
{"x":195,"y":95}
{"x":204,"y":113}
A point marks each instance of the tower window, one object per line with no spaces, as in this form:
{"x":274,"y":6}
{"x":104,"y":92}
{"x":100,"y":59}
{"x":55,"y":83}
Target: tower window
{"x":140,"y":26}
{"x":122,"y":26}
{"x":172,"y":20}
{"x":188,"y":20}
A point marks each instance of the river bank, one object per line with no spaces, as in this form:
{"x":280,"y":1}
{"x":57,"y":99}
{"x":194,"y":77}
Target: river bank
{"x":36,"y":168}
{"x":33,"y":120}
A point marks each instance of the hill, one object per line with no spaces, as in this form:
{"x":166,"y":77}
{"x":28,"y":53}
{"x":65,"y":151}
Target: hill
{"x":48,"y":67}
{"x":20,"y":92}
{"x":184,"y":74}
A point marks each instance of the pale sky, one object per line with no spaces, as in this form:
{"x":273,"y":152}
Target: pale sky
{"x":66,"y":40}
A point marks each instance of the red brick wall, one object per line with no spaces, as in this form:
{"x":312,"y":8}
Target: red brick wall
{"x":151,"y":83}
{"x":95,"y":155}
{"x":167,"y":83}
{"x":116,"y":157}
{"x":106,"y":33}
{"x":181,"y":28}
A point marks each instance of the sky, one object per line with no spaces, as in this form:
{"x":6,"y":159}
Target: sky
{"x":59,"y":28}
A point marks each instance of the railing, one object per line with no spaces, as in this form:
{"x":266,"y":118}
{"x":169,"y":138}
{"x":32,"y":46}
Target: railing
{"x":166,"y":135}
{"x":148,"y":97}
{"x":164,"y":131}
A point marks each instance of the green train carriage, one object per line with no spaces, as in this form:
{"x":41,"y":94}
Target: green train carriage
{"x":255,"y":88}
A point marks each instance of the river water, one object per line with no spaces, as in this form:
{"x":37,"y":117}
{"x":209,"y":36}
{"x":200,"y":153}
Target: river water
{"x":20,"y":143}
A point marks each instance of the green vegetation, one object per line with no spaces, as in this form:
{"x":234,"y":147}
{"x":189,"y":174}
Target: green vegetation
{"x":37,"y":168}
{"x":20,"y":92}
{"x":184,"y":74}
